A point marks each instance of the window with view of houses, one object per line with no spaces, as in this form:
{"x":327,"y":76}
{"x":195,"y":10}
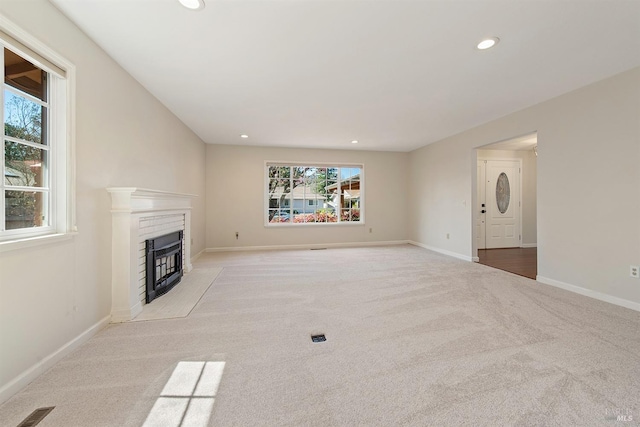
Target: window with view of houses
{"x":313,"y":194}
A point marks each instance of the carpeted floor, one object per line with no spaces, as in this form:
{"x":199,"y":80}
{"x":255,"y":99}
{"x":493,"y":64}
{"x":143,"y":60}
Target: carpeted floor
{"x":414,"y":338}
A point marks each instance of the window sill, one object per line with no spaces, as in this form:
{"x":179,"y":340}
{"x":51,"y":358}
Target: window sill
{"x":11,"y":245}
{"x":312,"y":224}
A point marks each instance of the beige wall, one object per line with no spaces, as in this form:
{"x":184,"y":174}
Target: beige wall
{"x":51,"y":294}
{"x":588,"y":186}
{"x":528,"y":197}
{"x":235,"y":197}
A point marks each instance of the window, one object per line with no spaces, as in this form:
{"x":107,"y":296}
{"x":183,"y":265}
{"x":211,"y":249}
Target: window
{"x":27,"y":172}
{"x":36,"y":189}
{"x":313,"y":194}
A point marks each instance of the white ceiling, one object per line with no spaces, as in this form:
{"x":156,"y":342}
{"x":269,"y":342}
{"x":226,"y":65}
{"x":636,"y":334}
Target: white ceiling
{"x":521,"y":143}
{"x":393,"y":74}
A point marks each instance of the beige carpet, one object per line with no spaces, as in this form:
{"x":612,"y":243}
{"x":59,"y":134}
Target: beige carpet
{"x":413,"y":339}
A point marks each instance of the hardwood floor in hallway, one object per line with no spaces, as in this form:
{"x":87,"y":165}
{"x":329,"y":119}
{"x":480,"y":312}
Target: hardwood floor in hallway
{"x":521,"y":261}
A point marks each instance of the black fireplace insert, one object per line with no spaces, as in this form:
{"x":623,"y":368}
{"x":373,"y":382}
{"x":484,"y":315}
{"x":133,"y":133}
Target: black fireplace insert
{"x":164,"y":264}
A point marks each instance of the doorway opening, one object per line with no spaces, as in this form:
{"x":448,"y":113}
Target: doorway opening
{"x":505,"y":232}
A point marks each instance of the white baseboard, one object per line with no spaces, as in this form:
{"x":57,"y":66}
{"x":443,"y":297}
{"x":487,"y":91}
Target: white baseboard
{"x":529,"y":245}
{"x":442,"y":251}
{"x":196,"y":256}
{"x":22,"y":380}
{"x":475,"y":259}
{"x":125,"y":315}
{"x":307,"y":246}
{"x":590,"y":293}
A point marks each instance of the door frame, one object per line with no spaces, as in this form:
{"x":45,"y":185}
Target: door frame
{"x":484,"y":159}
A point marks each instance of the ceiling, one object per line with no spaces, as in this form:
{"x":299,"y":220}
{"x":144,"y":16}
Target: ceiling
{"x":393,"y":74}
{"x":521,"y":143}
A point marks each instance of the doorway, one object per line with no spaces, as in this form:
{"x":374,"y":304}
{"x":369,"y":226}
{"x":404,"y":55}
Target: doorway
{"x":505,"y":232}
{"x":499,"y":204}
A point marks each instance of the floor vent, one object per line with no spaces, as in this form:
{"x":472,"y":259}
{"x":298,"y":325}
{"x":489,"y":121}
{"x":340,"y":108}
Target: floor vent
{"x":35,"y":417}
{"x":318,"y":338}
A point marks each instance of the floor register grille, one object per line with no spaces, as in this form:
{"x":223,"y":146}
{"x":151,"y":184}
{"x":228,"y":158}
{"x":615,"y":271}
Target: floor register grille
{"x":36,"y":416}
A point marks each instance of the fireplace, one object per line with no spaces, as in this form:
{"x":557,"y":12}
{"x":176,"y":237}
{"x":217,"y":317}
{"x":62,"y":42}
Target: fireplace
{"x":139,"y":214}
{"x":163,"y":264}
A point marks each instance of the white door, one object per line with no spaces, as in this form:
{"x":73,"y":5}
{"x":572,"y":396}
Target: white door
{"x":480,"y":219}
{"x":502,"y":201}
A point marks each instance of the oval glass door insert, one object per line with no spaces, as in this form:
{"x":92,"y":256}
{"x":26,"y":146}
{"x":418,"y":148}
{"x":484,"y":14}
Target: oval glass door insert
{"x":503,"y":193}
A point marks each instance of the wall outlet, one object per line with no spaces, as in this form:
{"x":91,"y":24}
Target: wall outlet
{"x":237,"y":235}
{"x":447,"y":235}
{"x":634,"y":271}
{"x":370,"y":230}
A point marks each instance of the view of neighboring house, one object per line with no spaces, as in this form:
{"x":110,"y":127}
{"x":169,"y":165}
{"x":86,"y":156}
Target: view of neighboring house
{"x":348,"y":194}
{"x":304,"y":199}
{"x":13,"y":177}
{"x":20,"y":207}
{"x":306,"y":204}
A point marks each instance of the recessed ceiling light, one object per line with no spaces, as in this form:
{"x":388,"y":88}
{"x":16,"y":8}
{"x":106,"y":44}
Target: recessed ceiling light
{"x":244,"y":136}
{"x":488,"y":43}
{"x":354,"y":142}
{"x":192,"y":4}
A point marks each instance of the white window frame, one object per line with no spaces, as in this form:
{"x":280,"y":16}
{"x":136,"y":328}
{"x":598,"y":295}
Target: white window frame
{"x":340,"y":223}
{"x":61,"y":151}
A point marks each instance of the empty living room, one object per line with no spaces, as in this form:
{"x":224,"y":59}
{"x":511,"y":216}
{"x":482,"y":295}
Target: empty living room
{"x":320,"y":213}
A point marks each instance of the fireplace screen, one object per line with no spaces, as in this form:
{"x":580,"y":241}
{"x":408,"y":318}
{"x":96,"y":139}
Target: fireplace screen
{"x":163,"y":264}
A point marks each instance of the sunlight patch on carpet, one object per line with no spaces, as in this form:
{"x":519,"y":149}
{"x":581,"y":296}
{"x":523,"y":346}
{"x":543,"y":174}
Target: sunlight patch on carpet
{"x":188,"y":396}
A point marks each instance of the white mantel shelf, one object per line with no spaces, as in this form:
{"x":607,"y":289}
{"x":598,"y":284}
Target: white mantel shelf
{"x":128,"y":206}
{"x":135,"y":199}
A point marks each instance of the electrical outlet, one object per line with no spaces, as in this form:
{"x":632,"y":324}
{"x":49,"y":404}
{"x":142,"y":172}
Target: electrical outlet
{"x":447,"y":235}
{"x":634,"y":271}
{"x":237,"y":235}
{"x":370,"y":230}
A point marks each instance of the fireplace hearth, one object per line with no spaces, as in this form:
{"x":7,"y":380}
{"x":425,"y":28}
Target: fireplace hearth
{"x":163,"y":264}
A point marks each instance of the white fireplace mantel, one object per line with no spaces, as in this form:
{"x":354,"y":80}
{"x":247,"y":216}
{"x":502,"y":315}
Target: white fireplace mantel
{"x":128,"y":205}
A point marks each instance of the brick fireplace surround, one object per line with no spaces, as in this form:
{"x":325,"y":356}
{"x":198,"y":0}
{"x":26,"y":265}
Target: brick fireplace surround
{"x":138,"y":214}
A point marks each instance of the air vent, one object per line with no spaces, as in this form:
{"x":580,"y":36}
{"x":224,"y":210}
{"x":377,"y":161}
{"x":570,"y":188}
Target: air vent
{"x":35,"y":417}
{"x":318,"y":249}
{"x":318,"y":338}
